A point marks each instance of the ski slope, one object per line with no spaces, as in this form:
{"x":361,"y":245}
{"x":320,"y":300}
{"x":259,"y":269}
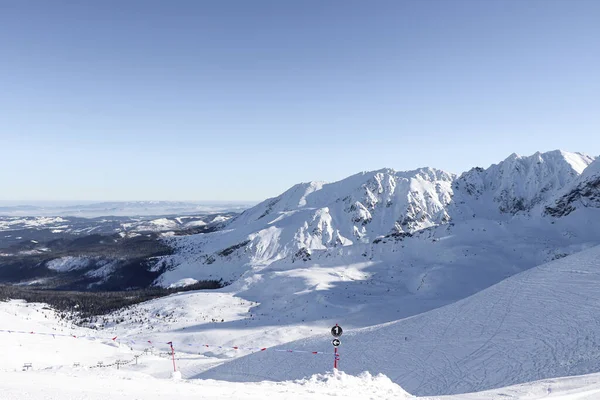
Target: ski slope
{"x":53,"y":376}
{"x":538,"y":324}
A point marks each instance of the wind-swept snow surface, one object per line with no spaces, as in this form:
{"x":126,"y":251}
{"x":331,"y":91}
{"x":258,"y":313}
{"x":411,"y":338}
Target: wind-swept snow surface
{"x":113,"y":385}
{"x":127,"y":384}
{"x":538,"y":324}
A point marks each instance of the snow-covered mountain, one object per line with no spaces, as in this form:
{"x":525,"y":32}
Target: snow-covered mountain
{"x":370,"y":216}
{"x":583,"y":192}
{"x":360,"y":214}
{"x":364,"y":204}
{"x":518,"y":184}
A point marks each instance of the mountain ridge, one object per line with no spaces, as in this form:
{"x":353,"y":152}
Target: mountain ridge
{"x":370,"y":206}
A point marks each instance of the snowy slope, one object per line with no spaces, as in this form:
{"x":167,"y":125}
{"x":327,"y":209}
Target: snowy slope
{"x":54,"y":377}
{"x":538,"y":324}
{"x":126,"y":385}
{"x":44,"y":351}
{"x":284,"y":301}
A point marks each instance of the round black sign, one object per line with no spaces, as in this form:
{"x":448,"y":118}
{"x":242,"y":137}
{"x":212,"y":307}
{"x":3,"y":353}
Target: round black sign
{"x":336,"y":342}
{"x":337,"y":331}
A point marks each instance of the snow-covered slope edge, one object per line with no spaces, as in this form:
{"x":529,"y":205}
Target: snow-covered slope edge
{"x":124,"y":385}
{"x":539,"y":324}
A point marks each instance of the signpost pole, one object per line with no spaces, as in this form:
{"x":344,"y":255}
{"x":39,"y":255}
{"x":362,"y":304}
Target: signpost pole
{"x":335,"y":360}
{"x":336,"y":332}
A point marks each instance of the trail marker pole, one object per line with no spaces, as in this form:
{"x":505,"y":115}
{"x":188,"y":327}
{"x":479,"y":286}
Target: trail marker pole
{"x":336,"y":332}
{"x":173,"y":355}
{"x":335,"y":360}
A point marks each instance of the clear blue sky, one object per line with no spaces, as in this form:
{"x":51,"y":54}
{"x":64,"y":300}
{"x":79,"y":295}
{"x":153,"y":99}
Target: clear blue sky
{"x":238,"y":100}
